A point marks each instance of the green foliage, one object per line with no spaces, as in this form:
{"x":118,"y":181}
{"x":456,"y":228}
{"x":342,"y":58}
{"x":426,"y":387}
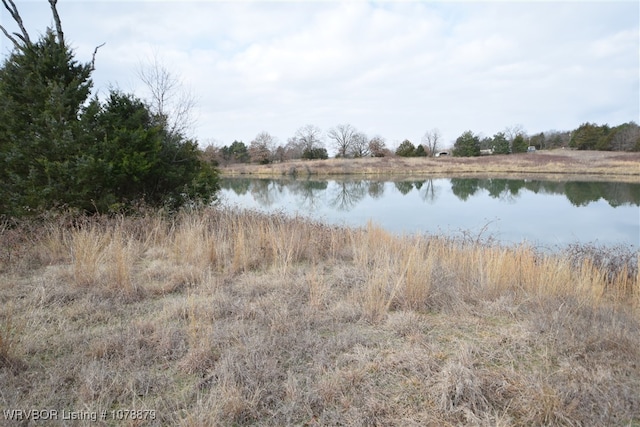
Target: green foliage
{"x":538,"y":141}
{"x":315,"y":153}
{"x":590,"y":136}
{"x":129,"y":157}
{"x":500,"y":144}
{"x":467,"y":145}
{"x":486,"y":143}
{"x":464,"y":188}
{"x":404,"y":187}
{"x":519,"y":144}
{"x":406,"y":149}
{"x":137,"y":158}
{"x":582,"y":193}
{"x":42,"y":89}
{"x":56,"y":153}
{"x":237,"y":152}
{"x":420,"y":151}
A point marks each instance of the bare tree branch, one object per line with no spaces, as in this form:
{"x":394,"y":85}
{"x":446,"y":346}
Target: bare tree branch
{"x":343,"y":136}
{"x":360,"y":145}
{"x":14,"y":41}
{"x":310,"y":137}
{"x":261,"y":148}
{"x":431,"y":141}
{"x":13,"y":10}
{"x":93,"y":57}
{"x":512,"y":131}
{"x":170,"y":101}
{"x":56,"y":19}
{"x":378,"y":146}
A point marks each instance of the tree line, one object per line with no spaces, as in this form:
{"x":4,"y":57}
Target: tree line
{"x":60,"y":147}
{"x":588,"y":136}
{"x":309,"y":142}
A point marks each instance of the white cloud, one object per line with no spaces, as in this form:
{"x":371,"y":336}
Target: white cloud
{"x":389,"y":68}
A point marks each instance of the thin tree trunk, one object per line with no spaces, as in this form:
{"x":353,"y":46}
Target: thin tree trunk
{"x":56,"y":19}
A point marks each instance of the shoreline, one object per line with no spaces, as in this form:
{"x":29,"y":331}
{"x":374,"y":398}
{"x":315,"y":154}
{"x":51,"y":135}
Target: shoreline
{"x":560,"y":165}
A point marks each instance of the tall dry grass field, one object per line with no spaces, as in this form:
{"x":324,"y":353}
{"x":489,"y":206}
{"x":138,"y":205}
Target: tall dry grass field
{"x":224,"y":317}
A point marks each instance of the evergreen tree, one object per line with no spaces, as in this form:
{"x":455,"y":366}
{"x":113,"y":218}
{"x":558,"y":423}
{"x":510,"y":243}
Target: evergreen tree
{"x":54,"y":152}
{"x":406,"y":149}
{"x":590,"y":136}
{"x":315,"y":153}
{"x":238,"y":152}
{"x":500,"y":144}
{"x":420,"y":151}
{"x":42,"y":89}
{"x":519,"y":144}
{"x":467,"y":145}
{"x":134,"y":156}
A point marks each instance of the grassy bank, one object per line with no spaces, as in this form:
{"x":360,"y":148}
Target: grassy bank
{"x":554,"y":164}
{"x":236,"y":318}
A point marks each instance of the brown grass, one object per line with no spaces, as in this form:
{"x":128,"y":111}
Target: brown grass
{"x":547,"y":164}
{"x":223,"y":317}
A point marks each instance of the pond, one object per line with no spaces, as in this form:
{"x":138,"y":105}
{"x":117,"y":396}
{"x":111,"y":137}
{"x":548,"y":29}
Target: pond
{"x":543,"y":213}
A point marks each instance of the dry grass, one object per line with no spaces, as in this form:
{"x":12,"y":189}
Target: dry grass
{"x":563,"y":164}
{"x":223,"y":317}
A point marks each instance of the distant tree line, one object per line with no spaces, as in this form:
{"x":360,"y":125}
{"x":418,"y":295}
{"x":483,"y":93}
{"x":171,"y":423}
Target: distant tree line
{"x":308,"y":142}
{"x":61,"y":148}
{"x":588,"y":136}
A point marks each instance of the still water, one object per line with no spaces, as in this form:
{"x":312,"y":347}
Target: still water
{"x":543,"y":213}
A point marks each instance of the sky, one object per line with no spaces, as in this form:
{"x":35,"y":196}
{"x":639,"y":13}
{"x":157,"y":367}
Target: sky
{"x":395,"y":69}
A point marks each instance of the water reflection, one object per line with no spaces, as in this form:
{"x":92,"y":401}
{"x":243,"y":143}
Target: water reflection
{"x":345,"y":194}
{"x":521,"y":209}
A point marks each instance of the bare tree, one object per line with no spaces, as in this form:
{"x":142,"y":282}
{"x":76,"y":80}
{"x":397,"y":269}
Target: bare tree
{"x":378,"y":147}
{"x":343,"y":138}
{"x":431,"y":141}
{"x":309,"y":137}
{"x":511,"y":132}
{"x":293,"y":149}
{"x":626,"y":137}
{"x":261,"y":149}
{"x":360,"y":145}
{"x":169,"y":100}
{"x":279,"y":154}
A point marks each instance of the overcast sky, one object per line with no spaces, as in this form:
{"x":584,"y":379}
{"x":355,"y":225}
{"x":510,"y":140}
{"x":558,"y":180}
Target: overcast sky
{"x":394,"y":69}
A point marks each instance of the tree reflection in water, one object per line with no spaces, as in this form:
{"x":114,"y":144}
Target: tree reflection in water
{"x":308,"y":192}
{"x":346,"y":194}
{"x":429,"y":191}
{"x":526,"y":208}
{"x":375,"y":189}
